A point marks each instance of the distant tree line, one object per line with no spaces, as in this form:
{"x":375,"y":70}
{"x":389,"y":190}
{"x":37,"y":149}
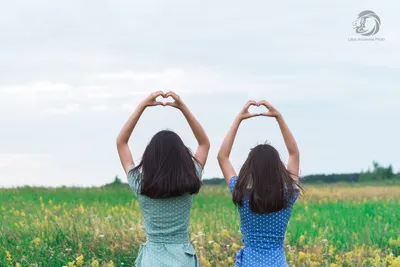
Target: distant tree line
{"x":117,"y":182}
{"x":331,"y":178}
{"x":377,"y":173}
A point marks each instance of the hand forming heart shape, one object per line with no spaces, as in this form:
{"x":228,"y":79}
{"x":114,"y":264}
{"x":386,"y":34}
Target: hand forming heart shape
{"x":152,"y":100}
{"x":257,"y":109}
{"x":163,"y":99}
{"x":245,"y":114}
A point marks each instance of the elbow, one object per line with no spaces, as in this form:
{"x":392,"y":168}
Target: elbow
{"x":295,"y":153}
{"x":221,"y":157}
{"x":207,"y":145}
{"x":120,"y":141}
{"x":205,"y":142}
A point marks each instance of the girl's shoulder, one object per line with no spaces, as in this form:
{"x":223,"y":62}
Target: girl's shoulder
{"x":199,"y":169}
{"x":232,"y":183}
{"x":294,"y":195}
{"x":134,"y":176}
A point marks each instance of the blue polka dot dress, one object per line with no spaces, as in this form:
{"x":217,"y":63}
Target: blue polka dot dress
{"x":166,"y":222}
{"x":263,"y":235}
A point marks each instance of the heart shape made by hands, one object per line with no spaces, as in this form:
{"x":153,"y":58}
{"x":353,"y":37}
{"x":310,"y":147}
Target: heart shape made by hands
{"x":165,"y":100}
{"x":257,"y":109}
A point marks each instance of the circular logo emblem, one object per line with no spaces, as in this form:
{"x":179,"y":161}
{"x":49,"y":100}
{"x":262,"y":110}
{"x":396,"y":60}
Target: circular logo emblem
{"x":367,"y":23}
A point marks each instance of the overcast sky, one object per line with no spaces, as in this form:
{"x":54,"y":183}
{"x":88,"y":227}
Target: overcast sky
{"x":73,"y":71}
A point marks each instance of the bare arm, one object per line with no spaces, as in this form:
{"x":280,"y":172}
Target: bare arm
{"x":224,"y":152}
{"x":291,"y":145}
{"x":198,"y":131}
{"x":290,"y":142}
{"x":124,"y":151}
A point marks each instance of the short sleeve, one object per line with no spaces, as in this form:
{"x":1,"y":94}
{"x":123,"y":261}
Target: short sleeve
{"x":232,"y":183}
{"x":296,"y":194}
{"x":133,"y":178}
{"x":199,"y":169}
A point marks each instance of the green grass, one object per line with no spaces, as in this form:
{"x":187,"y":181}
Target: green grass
{"x":337,"y":224}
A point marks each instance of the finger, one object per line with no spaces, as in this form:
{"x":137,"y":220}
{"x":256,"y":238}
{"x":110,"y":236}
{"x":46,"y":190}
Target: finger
{"x":157,"y":94}
{"x":245,"y":117}
{"x":174,"y":96}
{"x":266,"y":114}
{"x":172,"y":104}
{"x":265,"y":103}
{"x":250,"y":103}
{"x":171,"y":94}
{"x":159,"y":103}
{"x":253,"y":115}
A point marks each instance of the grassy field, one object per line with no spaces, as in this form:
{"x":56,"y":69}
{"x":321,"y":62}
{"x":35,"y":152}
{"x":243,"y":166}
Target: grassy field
{"x":336,"y":225}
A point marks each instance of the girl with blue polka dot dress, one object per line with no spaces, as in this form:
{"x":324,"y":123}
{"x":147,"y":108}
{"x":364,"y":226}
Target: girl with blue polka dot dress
{"x":264,"y":192}
{"x":165,"y":181}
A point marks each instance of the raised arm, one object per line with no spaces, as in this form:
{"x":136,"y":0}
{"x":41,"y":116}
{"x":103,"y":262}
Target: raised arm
{"x":224,"y":152}
{"x":290,"y":142}
{"x":198,"y":131}
{"x":124,"y":151}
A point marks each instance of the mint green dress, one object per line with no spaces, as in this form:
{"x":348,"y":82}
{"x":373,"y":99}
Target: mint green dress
{"x":166,"y":223}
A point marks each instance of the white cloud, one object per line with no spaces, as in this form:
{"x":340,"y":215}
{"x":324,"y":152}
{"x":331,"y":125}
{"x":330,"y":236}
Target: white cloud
{"x":22,"y":160}
{"x":113,"y":89}
{"x":36,"y":169}
{"x":29,"y":89}
{"x":162,"y":76}
{"x":102,"y":95}
{"x":294,"y":55}
{"x":127,"y":107}
{"x":99,"y":108}
{"x":70,"y":108}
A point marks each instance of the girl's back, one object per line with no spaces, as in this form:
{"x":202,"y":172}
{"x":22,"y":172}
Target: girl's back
{"x":166,"y":219}
{"x":166,"y":223}
{"x":263,"y":233}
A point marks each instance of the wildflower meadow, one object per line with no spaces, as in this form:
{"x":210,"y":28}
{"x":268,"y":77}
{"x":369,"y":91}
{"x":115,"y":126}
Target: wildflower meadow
{"x":335,"y":225}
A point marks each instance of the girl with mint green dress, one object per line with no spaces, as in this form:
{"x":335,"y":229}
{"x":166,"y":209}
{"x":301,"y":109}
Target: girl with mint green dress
{"x":165,"y":181}
{"x":166,"y":222}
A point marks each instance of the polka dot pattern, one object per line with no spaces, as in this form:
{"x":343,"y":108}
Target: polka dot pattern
{"x":166,"y":222}
{"x":263,"y":235}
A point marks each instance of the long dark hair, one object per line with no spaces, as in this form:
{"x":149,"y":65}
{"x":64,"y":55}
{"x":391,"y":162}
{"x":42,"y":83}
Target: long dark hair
{"x":167,"y":168}
{"x":265,"y":180}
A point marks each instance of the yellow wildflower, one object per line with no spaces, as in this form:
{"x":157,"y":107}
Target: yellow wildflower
{"x":396,"y":262}
{"x":204,"y":261}
{"x":8,"y":256}
{"x":79,"y":260}
{"x":235,"y":246}
{"x":394,"y":242}
{"x":301,"y":239}
{"x":225,"y":233}
{"x":216,"y":247}
{"x":95,"y":263}
{"x":302,"y":257}
{"x":36,"y":241}
{"x":388,"y":259}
